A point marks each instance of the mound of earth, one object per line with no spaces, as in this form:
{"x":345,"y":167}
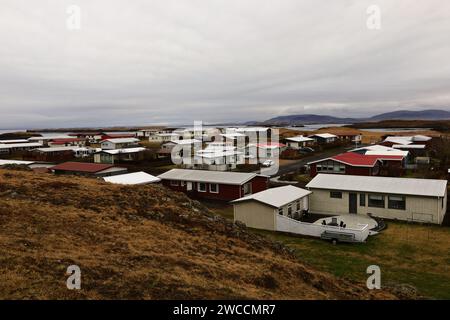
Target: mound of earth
{"x":141,"y":242}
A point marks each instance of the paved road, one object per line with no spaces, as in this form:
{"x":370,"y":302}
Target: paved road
{"x":291,"y":167}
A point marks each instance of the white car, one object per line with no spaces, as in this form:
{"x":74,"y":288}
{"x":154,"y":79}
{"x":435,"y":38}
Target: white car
{"x":268,"y":163}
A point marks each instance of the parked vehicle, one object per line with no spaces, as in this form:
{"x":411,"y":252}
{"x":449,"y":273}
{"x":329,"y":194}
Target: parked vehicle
{"x":268,"y":163}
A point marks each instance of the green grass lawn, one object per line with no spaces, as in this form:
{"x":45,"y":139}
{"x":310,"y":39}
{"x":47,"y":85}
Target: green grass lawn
{"x":412,"y":254}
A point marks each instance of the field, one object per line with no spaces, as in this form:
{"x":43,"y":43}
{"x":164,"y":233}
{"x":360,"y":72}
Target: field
{"x":141,"y":242}
{"x":408,"y":255}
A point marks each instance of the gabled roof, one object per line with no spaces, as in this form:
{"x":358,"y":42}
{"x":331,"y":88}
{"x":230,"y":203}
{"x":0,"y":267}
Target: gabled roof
{"x":384,"y":185}
{"x":14,"y":141}
{"x":82,"y":167}
{"x":18,"y":162}
{"x":276,"y":197}
{"x":324,"y":135}
{"x":359,"y":160}
{"x":20,"y":145}
{"x":299,"y":139}
{"x":122,"y":140}
{"x":235,"y":178}
{"x":380,"y":150}
{"x":135,"y":178}
{"x":186,"y":141}
{"x":119,"y":151}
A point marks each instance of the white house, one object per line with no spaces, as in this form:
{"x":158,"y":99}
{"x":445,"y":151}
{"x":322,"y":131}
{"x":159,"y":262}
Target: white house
{"x":280,"y":209}
{"x":418,"y":200}
{"x":322,"y":138}
{"x":163,"y":137}
{"x":119,"y":143}
{"x":299,"y":142}
{"x":119,"y":155}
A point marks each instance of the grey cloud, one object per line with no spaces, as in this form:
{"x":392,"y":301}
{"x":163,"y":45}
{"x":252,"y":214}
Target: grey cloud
{"x":141,"y":62}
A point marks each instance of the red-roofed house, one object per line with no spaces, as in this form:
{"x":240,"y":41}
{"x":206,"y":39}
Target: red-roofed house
{"x":87,"y":169}
{"x":353,"y":163}
{"x":66,"y":142}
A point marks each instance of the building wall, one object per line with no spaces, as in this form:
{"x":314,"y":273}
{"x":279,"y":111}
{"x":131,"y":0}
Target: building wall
{"x":357,"y":171}
{"x":255,"y":215}
{"x":226,"y":192}
{"x":420,"y":209}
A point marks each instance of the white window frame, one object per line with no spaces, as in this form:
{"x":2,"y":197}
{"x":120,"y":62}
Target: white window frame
{"x":214,"y":184}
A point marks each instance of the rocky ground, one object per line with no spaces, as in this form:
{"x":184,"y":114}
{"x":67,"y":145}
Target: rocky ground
{"x":141,"y":242}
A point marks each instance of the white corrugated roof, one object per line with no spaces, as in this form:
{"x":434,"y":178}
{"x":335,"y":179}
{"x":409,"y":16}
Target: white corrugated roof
{"x":50,"y":137}
{"x":186,"y":141}
{"x":68,"y":148}
{"x":20,"y":145}
{"x":14,"y":141}
{"x":324,"y":135}
{"x":132,"y":178}
{"x":277,"y":197}
{"x":399,"y":139}
{"x":122,"y":140}
{"x":387,"y":185}
{"x":409,"y":146}
{"x":299,"y":139}
{"x":128,"y":150}
{"x":5,"y":162}
{"x":379,"y":150}
{"x":236,"y":178}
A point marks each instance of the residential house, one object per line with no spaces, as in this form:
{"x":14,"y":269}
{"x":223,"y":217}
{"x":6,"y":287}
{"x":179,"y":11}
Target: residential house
{"x":215,"y":185}
{"x":163,"y":137}
{"x":11,"y":148}
{"x":58,"y":154}
{"x":260,"y":210}
{"x":66,"y":142}
{"x":217,"y":156}
{"x":299,"y":142}
{"x":352,"y":163}
{"x":90,"y":136}
{"x":88,"y":169}
{"x":324,"y":138}
{"x":146,"y":133}
{"x":119,"y":155}
{"x":389,"y":141}
{"x":118,"y":135}
{"x":119,"y":143}
{"x":44,"y":141}
{"x":407,"y":199}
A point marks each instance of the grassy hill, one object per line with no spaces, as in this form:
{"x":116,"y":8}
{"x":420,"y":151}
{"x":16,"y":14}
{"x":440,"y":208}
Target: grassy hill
{"x":141,"y":242}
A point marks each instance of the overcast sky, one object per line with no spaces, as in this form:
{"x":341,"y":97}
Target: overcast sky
{"x":147,"y":62}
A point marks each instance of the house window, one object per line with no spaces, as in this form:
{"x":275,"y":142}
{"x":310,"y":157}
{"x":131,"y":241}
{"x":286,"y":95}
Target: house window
{"x":376,"y":201}
{"x":336,"y":194}
{"x":280,"y":211}
{"x":214,"y":188}
{"x":201,"y":187}
{"x":397,"y":202}
{"x":247,"y":188}
{"x":298,"y":205}
{"x":362,"y":199}
{"x":290,"y":211}
{"x":174,"y":182}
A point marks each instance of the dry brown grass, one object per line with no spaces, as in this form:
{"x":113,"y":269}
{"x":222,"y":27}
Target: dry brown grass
{"x":140,"y":242}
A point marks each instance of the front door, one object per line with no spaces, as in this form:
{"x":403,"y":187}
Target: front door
{"x":352,"y":202}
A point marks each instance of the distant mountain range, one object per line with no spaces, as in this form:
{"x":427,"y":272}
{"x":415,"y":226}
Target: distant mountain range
{"x":302,"y":119}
